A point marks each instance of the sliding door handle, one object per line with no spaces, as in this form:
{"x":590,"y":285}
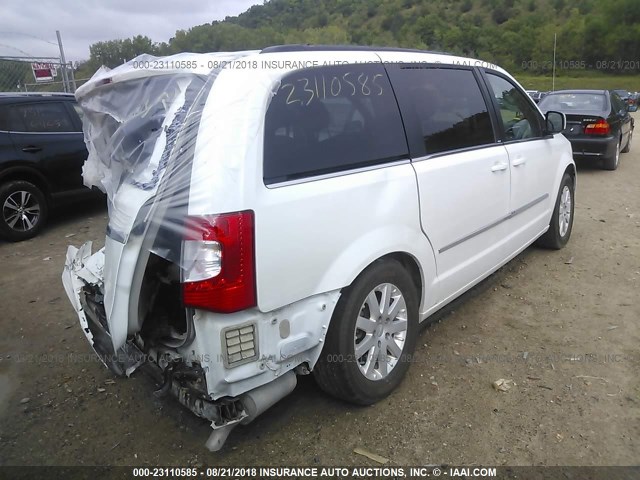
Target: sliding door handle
{"x":519,"y":161}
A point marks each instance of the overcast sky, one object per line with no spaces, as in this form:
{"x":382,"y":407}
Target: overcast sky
{"x":84,"y":22}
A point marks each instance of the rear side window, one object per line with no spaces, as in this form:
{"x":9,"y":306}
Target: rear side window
{"x":446,"y":105}
{"x":330,"y":119}
{"x":48,"y":117}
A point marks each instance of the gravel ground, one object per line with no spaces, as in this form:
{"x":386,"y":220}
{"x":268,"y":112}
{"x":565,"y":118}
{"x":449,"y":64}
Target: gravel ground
{"x":563,"y":326}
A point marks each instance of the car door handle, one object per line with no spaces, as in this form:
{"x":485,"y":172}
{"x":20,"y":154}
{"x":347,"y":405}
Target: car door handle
{"x":519,"y":161}
{"x":498,"y":167}
{"x":31,"y":149}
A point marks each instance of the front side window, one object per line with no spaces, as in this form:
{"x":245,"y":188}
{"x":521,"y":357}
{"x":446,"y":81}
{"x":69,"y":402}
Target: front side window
{"x":4,"y":120}
{"x":446,"y":105}
{"x":330,"y":119}
{"x":519,"y":118}
{"x":40,"y":117}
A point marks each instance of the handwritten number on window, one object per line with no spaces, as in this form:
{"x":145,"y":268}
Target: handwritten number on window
{"x":307,"y":89}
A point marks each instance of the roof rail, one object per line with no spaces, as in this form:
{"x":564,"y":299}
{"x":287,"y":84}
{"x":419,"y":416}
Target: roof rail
{"x":35,"y":94}
{"x":339,"y":48}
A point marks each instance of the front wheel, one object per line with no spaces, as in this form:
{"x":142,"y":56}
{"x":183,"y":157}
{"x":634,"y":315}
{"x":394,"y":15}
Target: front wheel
{"x":23,"y":210}
{"x":562,"y":219}
{"x":372,"y":335}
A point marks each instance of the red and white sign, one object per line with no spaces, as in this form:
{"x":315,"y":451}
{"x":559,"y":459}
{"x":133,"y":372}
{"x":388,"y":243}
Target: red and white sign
{"x":44,"y":72}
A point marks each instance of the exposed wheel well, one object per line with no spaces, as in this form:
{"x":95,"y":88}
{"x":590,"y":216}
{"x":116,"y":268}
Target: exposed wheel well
{"x":27,"y":176}
{"x":411,"y":265}
{"x":571,"y":170}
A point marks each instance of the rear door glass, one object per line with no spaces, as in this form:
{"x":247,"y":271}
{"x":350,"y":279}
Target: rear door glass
{"x":445,"y":107}
{"x":330,"y":119}
{"x":50,"y":117}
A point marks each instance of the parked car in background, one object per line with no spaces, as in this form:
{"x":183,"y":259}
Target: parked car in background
{"x":42,"y":151}
{"x":282,"y":219}
{"x":634,"y":99}
{"x":598,"y":123}
{"x":629,"y":98}
{"x":536,"y":95}
{"x":623,"y":94}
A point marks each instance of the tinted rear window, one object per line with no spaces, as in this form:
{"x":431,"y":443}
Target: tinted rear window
{"x":447,"y":106}
{"x":328,"y":119}
{"x":584,"y":102}
{"x":40,"y":117}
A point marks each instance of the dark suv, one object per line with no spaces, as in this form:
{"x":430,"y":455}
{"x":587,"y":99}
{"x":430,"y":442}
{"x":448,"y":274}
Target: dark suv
{"x":41,"y":155}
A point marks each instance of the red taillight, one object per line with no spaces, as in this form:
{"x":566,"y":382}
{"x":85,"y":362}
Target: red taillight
{"x":601,"y":127}
{"x":218,"y":262}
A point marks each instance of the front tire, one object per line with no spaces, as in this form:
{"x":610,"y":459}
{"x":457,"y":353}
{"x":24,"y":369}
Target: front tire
{"x":23,"y":210}
{"x":562,"y":218}
{"x":372,"y":335}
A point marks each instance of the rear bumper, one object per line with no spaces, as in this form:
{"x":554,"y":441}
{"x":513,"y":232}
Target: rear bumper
{"x":593,"y":147}
{"x":186,"y":381}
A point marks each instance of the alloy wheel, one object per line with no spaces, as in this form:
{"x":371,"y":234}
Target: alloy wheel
{"x":381,"y":331}
{"x":21,"y":211}
{"x":564,"y":213}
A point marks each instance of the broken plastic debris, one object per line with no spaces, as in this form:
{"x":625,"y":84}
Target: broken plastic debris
{"x":503,"y":385}
{"x":372,"y":456}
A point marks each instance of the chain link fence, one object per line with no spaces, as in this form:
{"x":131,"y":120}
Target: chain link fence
{"x":37,"y":74}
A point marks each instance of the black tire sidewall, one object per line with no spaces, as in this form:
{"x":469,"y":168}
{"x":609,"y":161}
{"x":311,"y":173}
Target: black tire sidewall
{"x":627,"y":149}
{"x":343,"y":327}
{"x":6,"y":190}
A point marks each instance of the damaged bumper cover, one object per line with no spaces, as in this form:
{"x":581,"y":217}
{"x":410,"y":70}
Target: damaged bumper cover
{"x":82,"y":278}
{"x":83,"y":282}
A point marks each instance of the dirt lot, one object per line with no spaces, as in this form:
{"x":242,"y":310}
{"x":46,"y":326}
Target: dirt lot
{"x":564,"y":326}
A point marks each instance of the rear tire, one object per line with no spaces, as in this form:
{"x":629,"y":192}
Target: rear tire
{"x":628,"y":147}
{"x":23,"y":210}
{"x":371,"y":337}
{"x":611,"y":163}
{"x":562,"y":219}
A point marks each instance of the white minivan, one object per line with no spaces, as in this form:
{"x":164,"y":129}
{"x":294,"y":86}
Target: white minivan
{"x":301,"y":209}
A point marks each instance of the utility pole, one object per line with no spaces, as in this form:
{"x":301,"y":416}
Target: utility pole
{"x":63,"y":62}
{"x":553,"y":81}
{"x":72,"y":79}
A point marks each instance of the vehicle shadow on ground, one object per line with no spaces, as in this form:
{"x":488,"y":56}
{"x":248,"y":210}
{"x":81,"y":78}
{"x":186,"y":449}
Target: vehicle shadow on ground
{"x":591,"y":165}
{"x":69,"y":213}
{"x":72,"y":211}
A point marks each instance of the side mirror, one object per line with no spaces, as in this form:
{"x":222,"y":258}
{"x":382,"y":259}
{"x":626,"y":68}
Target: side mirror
{"x":555,"y":122}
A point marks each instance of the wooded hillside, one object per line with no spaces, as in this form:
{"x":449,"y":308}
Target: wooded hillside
{"x":516,"y":34}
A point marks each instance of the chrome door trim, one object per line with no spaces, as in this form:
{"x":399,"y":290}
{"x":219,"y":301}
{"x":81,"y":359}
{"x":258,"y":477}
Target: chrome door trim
{"x":494,"y":224}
